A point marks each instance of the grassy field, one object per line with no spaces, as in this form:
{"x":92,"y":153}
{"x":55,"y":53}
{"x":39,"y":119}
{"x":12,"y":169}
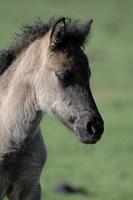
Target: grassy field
{"x":104,"y":169}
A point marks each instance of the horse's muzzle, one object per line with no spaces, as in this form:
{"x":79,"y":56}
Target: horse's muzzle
{"x":91,"y":134}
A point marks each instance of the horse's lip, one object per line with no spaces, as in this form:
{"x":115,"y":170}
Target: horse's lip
{"x":87,"y":138}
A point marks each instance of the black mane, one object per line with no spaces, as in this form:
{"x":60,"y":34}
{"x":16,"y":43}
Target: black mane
{"x":75,"y":32}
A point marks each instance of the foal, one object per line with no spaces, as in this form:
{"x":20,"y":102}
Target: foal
{"x":45,"y":70}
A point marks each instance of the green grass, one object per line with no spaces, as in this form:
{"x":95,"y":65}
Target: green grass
{"x":104,"y":169}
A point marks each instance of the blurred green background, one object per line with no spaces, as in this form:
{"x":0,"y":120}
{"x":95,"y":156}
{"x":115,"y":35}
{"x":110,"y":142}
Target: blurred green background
{"x":105,"y":170}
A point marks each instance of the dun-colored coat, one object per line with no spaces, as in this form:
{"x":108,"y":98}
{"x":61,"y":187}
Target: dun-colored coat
{"x":45,"y":70}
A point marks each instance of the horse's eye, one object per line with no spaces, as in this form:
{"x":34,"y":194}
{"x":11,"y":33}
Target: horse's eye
{"x":64,"y":77}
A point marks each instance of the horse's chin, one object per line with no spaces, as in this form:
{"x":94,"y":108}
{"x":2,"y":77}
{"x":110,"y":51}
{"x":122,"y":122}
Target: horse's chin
{"x":85,"y":137}
{"x":89,"y":141}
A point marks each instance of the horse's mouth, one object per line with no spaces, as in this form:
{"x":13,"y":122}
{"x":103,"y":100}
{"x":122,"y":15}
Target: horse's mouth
{"x":90,"y":136}
{"x":87,"y":138}
{"x":90,"y":140}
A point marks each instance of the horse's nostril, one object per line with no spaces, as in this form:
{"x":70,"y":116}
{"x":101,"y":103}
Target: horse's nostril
{"x":99,"y":127}
{"x":90,"y":128}
{"x":95,"y":128}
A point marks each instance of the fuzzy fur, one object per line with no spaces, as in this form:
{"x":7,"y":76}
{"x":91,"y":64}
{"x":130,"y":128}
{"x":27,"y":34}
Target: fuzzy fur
{"x":30,"y":88}
{"x":75,"y":33}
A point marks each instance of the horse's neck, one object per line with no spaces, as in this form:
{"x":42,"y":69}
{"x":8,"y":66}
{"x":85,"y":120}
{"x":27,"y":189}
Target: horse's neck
{"x":5,"y":80}
{"x":19,"y":117}
{"x":23,"y":64}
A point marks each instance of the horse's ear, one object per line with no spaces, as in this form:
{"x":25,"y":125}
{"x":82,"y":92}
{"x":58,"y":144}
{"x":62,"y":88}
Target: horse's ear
{"x":86,"y":27}
{"x":57,"y":33}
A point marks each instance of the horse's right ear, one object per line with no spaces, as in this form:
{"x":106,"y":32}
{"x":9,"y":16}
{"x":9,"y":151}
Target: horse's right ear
{"x":57,"y":33}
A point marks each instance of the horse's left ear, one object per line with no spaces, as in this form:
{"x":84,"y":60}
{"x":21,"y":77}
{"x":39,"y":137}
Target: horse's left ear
{"x":57,"y":33}
{"x":85,"y":29}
